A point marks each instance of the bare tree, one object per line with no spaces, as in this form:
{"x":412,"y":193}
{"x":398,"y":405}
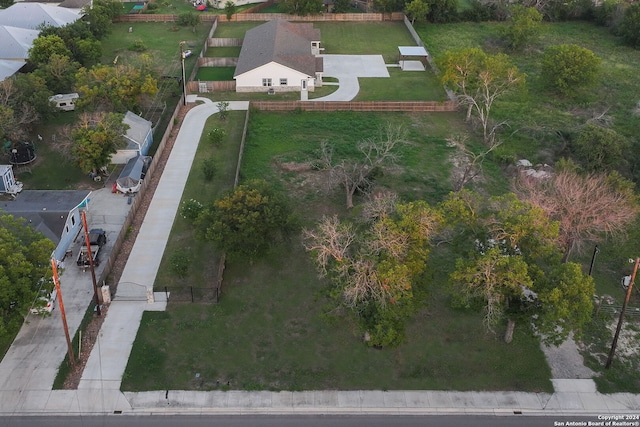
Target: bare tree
{"x":355,"y":175}
{"x":478,"y":80}
{"x":587,"y":208}
{"x":329,"y":241}
{"x":472,"y":166}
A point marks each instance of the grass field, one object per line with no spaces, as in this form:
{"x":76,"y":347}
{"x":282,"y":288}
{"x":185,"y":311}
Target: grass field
{"x":537,"y":115}
{"x":162,"y":42}
{"x":223,"y":52}
{"x":270,"y":330}
{"x":215,"y":73}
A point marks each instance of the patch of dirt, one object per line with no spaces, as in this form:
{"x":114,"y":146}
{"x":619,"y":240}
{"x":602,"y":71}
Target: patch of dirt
{"x":93,"y":328}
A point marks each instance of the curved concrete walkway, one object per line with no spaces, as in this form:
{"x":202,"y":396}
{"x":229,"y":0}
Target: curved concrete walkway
{"x":347,"y":69}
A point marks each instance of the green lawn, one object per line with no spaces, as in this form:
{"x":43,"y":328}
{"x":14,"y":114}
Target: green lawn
{"x":223,"y":52}
{"x":234,"y":30}
{"x":537,"y":115}
{"x":162,"y":42}
{"x":215,"y":73}
{"x":364,"y":38}
{"x":402,"y":86}
{"x":270,"y":330}
{"x":202,"y":266}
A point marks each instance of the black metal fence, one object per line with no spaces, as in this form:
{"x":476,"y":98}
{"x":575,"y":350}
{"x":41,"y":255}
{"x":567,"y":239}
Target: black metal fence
{"x":192,"y":294}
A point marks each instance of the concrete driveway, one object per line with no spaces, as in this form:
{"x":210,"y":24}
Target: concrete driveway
{"x":32,"y":361}
{"x":347,"y":69}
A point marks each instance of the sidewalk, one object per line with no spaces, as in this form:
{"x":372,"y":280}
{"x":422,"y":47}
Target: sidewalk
{"x":110,"y":355}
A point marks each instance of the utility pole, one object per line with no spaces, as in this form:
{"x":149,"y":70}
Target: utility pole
{"x":63,"y":314}
{"x":596,"y":251}
{"x":184,"y":80}
{"x":624,"y":307}
{"x":87,"y":240}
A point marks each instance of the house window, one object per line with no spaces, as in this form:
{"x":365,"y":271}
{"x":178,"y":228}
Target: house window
{"x":266,"y":82}
{"x":283,"y":82}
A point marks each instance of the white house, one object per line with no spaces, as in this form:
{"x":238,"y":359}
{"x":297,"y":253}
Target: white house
{"x":138,"y":139}
{"x":279,"y":56}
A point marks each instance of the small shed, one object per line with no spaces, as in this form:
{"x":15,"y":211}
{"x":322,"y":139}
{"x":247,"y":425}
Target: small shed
{"x":130,"y":179}
{"x":8,"y":183}
{"x":138,"y":139}
{"x":412,"y":58}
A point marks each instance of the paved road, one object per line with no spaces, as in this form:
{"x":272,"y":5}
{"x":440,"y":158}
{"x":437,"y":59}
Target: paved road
{"x":294,"y":421}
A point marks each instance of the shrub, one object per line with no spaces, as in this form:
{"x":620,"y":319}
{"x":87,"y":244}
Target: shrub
{"x":190,"y":209}
{"x":208,"y":169}
{"x":568,"y":67}
{"x":216,"y":136}
{"x":629,"y":28}
{"x":523,"y":28}
{"x":138,"y":46}
{"x":179,"y":262}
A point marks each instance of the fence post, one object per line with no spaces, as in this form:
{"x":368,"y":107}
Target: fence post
{"x":191,"y":289}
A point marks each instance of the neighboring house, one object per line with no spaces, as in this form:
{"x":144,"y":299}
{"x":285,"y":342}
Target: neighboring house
{"x":139,"y":138}
{"x":14,"y":49}
{"x":56,"y":214}
{"x":33,"y":15}
{"x":279,"y":56}
{"x":16,"y":42}
{"x":19,"y":25}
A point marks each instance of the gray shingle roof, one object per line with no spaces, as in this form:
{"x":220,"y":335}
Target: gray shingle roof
{"x":45,"y":210}
{"x":138,"y":129}
{"x":282,"y":42}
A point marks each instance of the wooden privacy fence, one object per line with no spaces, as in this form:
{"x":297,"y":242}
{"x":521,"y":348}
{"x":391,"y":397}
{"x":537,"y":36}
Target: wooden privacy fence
{"x":208,"y":87}
{"x":224,"y":42}
{"x":217,"y":62}
{"x":245,"y":17}
{"x":406,"y":106}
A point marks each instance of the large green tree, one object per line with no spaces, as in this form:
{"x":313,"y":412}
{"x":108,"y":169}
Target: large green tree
{"x":629,"y":28}
{"x":601,"y":149}
{"x":25,"y":271}
{"x":99,"y":16}
{"x":59,"y":72}
{"x":95,"y":138}
{"x":83,"y":45}
{"x":569,"y":67}
{"x":44,"y":47}
{"x":374,"y":268}
{"x":479,"y":79}
{"x":23,"y":101}
{"x":114,"y":88}
{"x":248,"y":220}
{"x":523,"y":26}
{"x":511,"y":266}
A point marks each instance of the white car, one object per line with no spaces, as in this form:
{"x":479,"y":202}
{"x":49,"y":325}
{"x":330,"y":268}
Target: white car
{"x":48,"y":303}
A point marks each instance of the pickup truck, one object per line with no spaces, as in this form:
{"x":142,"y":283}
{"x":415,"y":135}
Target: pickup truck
{"x":97,"y":239}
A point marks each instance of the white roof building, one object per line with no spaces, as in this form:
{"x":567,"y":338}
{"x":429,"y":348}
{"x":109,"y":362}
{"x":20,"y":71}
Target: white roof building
{"x":33,"y":15}
{"x":16,"y":42}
